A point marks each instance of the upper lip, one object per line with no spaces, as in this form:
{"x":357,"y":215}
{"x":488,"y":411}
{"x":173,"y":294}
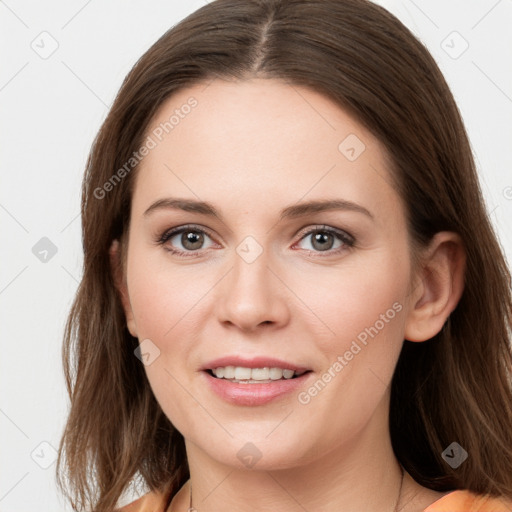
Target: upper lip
{"x":254,"y":362}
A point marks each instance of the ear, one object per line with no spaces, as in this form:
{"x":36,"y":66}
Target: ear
{"x":118,"y":274}
{"x":440,"y":287}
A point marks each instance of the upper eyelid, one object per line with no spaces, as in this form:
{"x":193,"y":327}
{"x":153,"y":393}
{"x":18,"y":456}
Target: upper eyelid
{"x":179,"y":229}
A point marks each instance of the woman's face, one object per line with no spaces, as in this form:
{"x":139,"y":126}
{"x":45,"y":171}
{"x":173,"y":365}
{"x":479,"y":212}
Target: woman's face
{"x":322,"y":289}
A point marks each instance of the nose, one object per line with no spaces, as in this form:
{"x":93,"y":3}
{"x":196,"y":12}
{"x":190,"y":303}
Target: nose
{"x":253,"y":294}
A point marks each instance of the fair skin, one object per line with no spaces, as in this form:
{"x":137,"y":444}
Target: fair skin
{"x":251,"y":149}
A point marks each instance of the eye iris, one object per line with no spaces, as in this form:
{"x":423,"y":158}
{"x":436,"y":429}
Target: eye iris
{"x":192,"y":237}
{"x":321,"y":238}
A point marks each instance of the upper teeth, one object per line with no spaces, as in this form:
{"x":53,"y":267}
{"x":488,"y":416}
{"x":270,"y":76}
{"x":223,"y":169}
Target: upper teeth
{"x":241,"y":373}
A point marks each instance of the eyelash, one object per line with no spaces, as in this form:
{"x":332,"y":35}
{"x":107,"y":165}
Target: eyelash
{"x":347,"y":239}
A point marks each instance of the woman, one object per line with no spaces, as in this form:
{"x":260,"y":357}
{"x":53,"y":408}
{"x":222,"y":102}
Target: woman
{"x":292,"y":295}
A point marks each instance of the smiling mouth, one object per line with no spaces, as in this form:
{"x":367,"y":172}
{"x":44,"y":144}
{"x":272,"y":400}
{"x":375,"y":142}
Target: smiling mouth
{"x":254,"y":375}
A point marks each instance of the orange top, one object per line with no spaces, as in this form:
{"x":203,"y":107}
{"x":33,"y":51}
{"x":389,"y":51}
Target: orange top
{"x":455,"y":501}
{"x":466,"y":501}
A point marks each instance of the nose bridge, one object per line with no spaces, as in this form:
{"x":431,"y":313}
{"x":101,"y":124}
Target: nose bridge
{"x":251,"y":294}
{"x":251,"y":263}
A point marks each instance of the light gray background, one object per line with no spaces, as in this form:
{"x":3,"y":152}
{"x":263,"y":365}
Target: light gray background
{"x":51,"y":108}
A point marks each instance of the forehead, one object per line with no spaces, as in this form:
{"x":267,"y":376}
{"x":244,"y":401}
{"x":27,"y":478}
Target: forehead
{"x":279,"y":141}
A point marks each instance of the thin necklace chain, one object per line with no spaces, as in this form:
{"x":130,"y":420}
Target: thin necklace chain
{"x":191,"y":509}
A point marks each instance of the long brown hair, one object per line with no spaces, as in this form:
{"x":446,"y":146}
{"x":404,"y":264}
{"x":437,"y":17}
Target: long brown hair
{"x":454,"y":387}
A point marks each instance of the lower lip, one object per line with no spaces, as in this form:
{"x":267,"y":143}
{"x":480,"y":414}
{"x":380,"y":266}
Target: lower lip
{"x":254,"y":394}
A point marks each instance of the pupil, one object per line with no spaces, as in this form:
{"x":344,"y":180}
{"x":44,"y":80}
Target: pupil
{"x":192,"y":237}
{"x":321,"y":237}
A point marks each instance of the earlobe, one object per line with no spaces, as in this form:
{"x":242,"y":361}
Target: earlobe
{"x":440,"y":288}
{"x":118,"y":275}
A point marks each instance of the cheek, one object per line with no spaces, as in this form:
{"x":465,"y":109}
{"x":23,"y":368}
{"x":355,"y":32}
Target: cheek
{"x":165,"y":301}
{"x":363,"y":307}
{"x":162,"y":295}
{"x":360,"y":295}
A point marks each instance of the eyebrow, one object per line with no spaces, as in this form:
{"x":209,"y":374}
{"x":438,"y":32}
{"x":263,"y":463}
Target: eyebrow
{"x":293,"y":211}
